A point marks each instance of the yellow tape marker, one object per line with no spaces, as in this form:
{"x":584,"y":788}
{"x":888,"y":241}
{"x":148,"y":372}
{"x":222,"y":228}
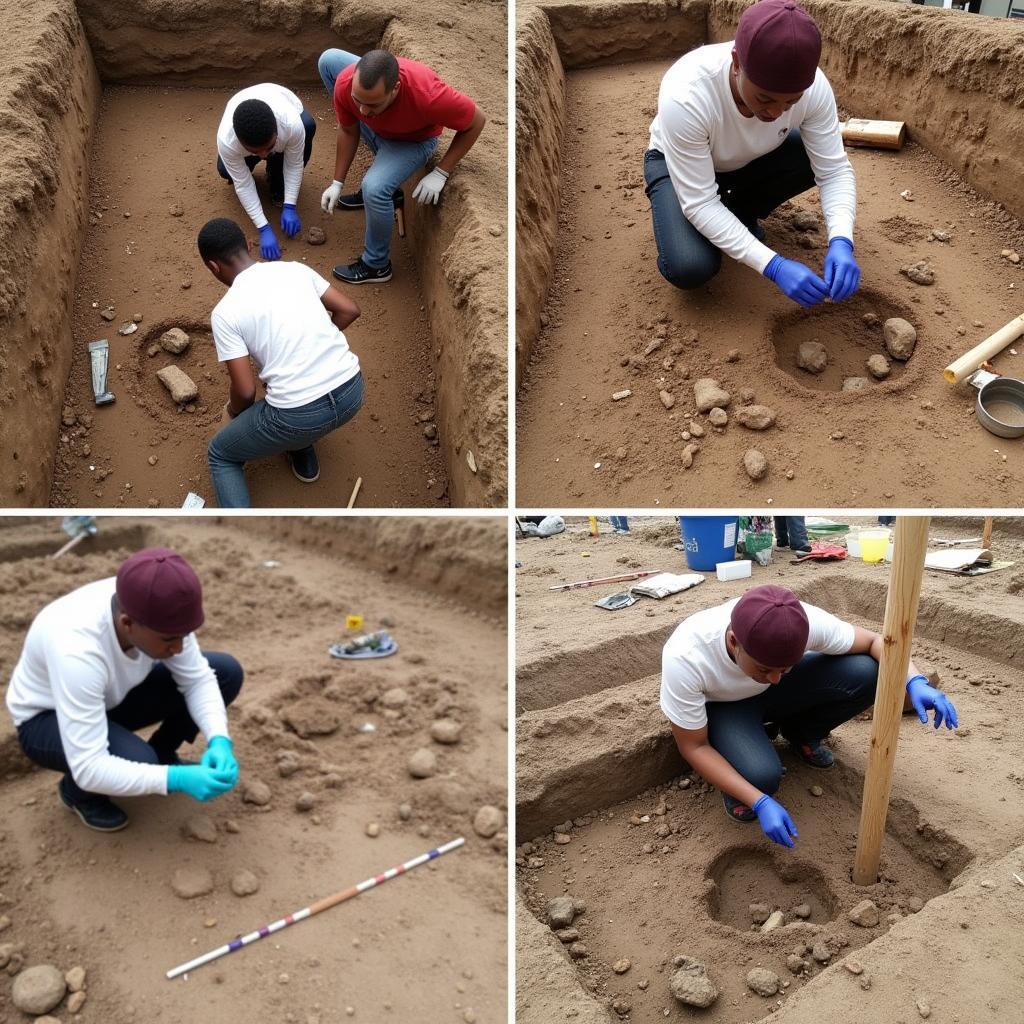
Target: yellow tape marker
{"x":353,"y":622}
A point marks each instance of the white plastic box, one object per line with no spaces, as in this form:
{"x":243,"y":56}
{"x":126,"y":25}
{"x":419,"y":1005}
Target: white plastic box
{"x":733,"y":570}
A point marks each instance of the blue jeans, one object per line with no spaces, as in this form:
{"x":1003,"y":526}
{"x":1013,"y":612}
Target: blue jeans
{"x":275,"y":162}
{"x":791,"y":531}
{"x":619,"y":523}
{"x":393,"y":162}
{"x":817,"y":694}
{"x":685,"y":257}
{"x":156,"y":699}
{"x":263,"y":430}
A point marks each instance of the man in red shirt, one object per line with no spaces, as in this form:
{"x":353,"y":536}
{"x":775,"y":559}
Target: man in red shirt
{"x":399,"y":107}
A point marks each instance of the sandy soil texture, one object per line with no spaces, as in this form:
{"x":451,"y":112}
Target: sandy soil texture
{"x":608,"y":815}
{"x":105,"y":903}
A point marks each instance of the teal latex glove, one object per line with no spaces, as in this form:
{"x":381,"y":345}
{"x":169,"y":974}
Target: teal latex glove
{"x":842,"y":275}
{"x":197,"y":780}
{"x":775,"y":821}
{"x":220,"y":756}
{"x":926,"y":698}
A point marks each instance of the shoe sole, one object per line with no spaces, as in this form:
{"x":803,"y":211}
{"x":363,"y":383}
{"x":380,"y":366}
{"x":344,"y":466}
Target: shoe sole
{"x":303,"y":479}
{"x":96,"y":828}
{"x":739,"y":821}
{"x":365,"y":280}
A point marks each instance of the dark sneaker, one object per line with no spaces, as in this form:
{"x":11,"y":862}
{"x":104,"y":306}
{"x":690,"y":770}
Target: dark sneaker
{"x":736,"y":810}
{"x":816,"y":754}
{"x":354,"y":200}
{"x":96,"y":811}
{"x":305,"y":465}
{"x":805,"y":550}
{"x":360,"y":273}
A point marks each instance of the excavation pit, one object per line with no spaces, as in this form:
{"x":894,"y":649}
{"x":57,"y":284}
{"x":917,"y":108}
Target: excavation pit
{"x":589,"y":76}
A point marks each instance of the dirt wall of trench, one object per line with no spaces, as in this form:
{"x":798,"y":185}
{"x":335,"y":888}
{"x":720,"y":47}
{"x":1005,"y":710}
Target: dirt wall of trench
{"x":43,"y":199}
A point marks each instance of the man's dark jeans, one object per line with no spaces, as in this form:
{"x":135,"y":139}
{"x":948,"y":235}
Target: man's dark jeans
{"x":685,"y":257}
{"x":155,"y":699}
{"x":275,"y":162}
{"x":820,"y":692}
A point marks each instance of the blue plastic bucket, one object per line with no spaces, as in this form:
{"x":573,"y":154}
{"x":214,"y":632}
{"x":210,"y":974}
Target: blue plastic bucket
{"x":708,"y":540}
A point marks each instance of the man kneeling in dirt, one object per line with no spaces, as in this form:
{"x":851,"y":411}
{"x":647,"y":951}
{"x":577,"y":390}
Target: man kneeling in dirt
{"x":290,"y":322}
{"x":742,"y":127}
{"x":115,"y":656}
{"x":736,"y":675}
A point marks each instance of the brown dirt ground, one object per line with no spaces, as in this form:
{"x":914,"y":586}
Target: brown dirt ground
{"x":76,"y":897}
{"x":843,"y":449}
{"x":955,"y":811}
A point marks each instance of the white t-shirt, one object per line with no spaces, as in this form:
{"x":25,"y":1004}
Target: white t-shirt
{"x":73,"y":664}
{"x":291,"y":140}
{"x":700,"y":131}
{"x":273,"y":313}
{"x":696,"y":667}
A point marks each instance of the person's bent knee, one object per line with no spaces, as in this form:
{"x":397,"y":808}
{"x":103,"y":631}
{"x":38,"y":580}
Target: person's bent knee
{"x":688,"y":276}
{"x":222,"y":170}
{"x":376,"y":191}
{"x":767,"y":779}
{"x":230,"y":676}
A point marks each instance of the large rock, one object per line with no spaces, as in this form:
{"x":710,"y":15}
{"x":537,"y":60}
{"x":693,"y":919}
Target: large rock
{"x":900,"y":338}
{"x":561,"y":911}
{"x":690,"y":983}
{"x":39,"y":989}
{"x":762,"y":981}
{"x":708,"y":395}
{"x":755,"y":417}
{"x":174,"y":341}
{"x":755,"y":464}
{"x":181,"y":386}
{"x":864,"y":914}
{"x":812,"y":356}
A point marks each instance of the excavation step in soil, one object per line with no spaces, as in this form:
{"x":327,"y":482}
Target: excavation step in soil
{"x":644,"y":895}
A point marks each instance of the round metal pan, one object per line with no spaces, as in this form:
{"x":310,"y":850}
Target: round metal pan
{"x":1000,"y":406}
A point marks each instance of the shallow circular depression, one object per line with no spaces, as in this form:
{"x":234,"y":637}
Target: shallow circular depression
{"x":746,"y":875}
{"x":847,"y":338}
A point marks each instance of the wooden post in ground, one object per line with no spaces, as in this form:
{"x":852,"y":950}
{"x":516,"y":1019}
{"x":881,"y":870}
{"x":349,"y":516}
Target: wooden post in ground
{"x":909,"y":551}
{"x":986,"y":534}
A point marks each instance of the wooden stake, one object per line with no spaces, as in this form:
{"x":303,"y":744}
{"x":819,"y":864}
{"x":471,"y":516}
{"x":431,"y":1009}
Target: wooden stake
{"x":355,"y":491}
{"x":991,"y":346}
{"x":897,"y":634}
{"x":74,"y":542}
{"x":986,"y":534}
{"x":877,"y":134}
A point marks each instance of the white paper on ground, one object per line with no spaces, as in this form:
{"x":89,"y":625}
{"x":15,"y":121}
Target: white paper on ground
{"x":666,"y":583}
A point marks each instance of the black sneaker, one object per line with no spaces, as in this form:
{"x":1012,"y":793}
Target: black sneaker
{"x":354,"y":200}
{"x":305,"y":465}
{"x":738,"y":811}
{"x":96,"y":811}
{"x":360,"y":273}
{"x":816,"y":754}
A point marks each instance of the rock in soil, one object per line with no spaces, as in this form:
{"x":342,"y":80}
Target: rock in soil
{"x":444,"y":730}
{"x":561,"y":911}
{"x":920,"y":272}
{"x":38,"y":989}
{"x":759,"y":912}
{"x":763,"y":982}
{"x":422,"y":764}
{"x":621,"y":966}
{"x":200,"y":828}
{"x":256,"y":792}
{"x":900,"y":338}
{"x":305,"y":801}
{"x":578,"y":951}
{"x":75,"y":1002}
{"x":718,"y":417}
{"x":856,"y":384}
{"x":775,"y":920}
{"x":708,"y":395}
{"x":174,"y":341}
{"x":821,"y":952}
{"x":181,"y":386}
{"x":316,"y":236}
{"x":667,"y":400}
{"x":394,"y":698}
{"x":796,"y":964}
{"x":244,"y":883}
{"x":802,"y":910}
{"x":688,"y":453}
{"x":488,"y":821}
{"x":190,"y":882}
{"x":690,"y":983}
{"x":804,"y":220}
{"x":75,"y":979}
{"x":313,"y":716}
{"x":755,"y":464}
{"x":878,"y":366}
{"x":755,"y":417}
{"x":812,"y":356}
{"x":864,"y":914}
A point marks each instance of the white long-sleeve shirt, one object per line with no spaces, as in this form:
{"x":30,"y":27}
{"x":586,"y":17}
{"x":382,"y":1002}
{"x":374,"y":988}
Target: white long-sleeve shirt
{"x":291,"y":140}
{"x":73,"y":664}
{"x":701,"y":131}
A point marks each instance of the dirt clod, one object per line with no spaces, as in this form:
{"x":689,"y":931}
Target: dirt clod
{"x":690,"y":983}
{"x":900,"y":338}
{"x":191,"y":881}
{"x":489,"y":820}
{"x":878,"y":366}
{"x":316,"y":236}
{"x":759,"y":912}
{"x":256,"y":792}
{"x":762,"y":981}
{"x":313,"y":716}
{"x":856,"y":384}
{"x":201,"y":828}
{"x":812,"y":356}
{"x":422,"y":764}
{"x":718,"y":417}
{"x":244,"y":883}
{"x":920,"y":272}
{"x":305,"y":802}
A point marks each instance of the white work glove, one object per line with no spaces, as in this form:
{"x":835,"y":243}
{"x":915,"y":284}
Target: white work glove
{"x":331,"y":195}
{"x":429,"y":188}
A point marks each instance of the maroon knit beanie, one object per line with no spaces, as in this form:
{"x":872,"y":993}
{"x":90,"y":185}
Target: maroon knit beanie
{"x":159,"y":589}
{"x":778,"y":45}
{"x":771,"y":626}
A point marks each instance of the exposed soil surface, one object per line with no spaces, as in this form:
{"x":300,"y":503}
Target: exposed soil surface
{"x":609,"y":815}
{"x":147,"y":204}
{"x":105,"y":902}
{"x":908,"y":440}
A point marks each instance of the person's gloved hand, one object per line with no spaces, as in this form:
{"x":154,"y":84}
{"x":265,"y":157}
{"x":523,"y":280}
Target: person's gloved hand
{"x":199,"y":781}
{"x":796,"y":281}
{"x":429,"y":188}
{"x":925,"y":697}
{"x":842,"y":275}
{"x":220,"y":756}
{"x":269,"y":249}
{"x":331,"y":195}
{"x":775,"y":821}
{"x":290,"y":223}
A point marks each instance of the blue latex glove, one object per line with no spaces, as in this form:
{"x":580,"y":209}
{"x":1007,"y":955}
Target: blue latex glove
{"x":842,"y":275}
{"x":290,"y":223}
{"x":925,"y":698}
{"x":269,"y":249}
{"x":775,"y":821}
{"x":220,"y":756}
{"x":796,"y":281}
{"x":197,"y":780}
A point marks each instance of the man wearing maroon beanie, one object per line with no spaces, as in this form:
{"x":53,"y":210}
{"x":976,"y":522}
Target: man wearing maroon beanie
{"x":742,"y":127}
{"x":115,"y":656}
{"x":768,"y":657}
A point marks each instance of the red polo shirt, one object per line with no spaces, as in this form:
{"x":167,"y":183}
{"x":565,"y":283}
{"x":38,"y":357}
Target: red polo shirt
{"x":424,"y":107}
